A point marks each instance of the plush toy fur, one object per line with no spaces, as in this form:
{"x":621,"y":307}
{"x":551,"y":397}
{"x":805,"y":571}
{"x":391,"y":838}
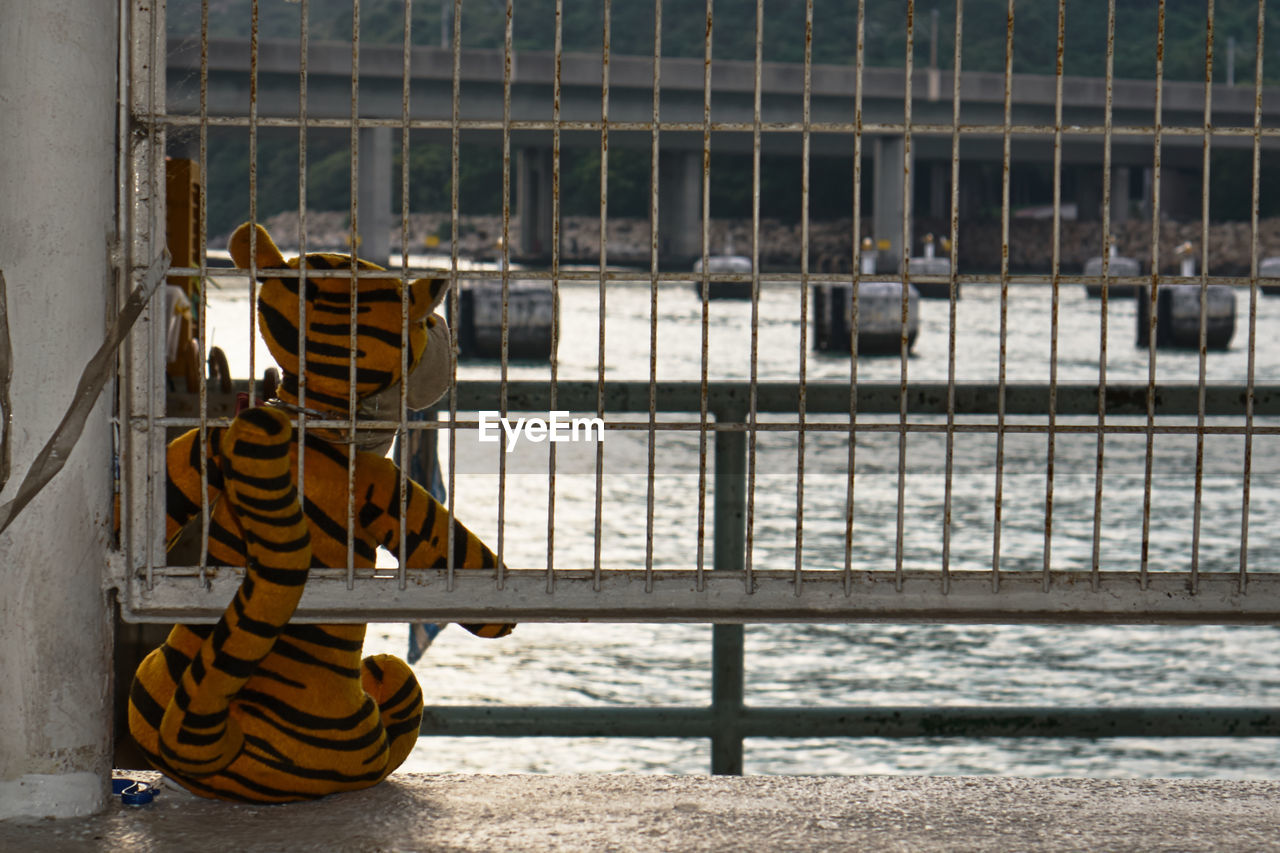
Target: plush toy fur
{"x":256,"y":708}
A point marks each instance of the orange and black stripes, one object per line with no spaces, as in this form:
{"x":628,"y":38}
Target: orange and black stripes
{"x":380,"y":328}
{"x":310,"y":716}
{"x":256,"y":708}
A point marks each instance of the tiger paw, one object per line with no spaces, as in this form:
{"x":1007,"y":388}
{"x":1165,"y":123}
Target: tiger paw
{"x":390,"y":682}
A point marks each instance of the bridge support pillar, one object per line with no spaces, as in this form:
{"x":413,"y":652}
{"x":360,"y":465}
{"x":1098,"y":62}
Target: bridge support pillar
{"x":680,"y":207}
{"x":939,"y":176}
{"x":374,"y":179}
{"x":1119,"y":194}
{"x":534,"y":202}
{"x":1145,"y":201}
{"x":890,"y":200}
{"x":1089,"y":193}
{"x":1180,"y":194}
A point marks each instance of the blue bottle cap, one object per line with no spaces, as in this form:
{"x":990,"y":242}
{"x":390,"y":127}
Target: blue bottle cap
{"x":138,"y":794}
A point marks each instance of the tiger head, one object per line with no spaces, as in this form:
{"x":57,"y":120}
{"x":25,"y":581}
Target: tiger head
{"x":380,"y":328}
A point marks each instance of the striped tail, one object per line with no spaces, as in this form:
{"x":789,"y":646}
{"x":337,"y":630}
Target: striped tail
{"x":197,"y":736}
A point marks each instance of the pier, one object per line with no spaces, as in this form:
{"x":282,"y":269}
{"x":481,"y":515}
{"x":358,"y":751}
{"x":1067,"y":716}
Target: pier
{"x":651,"y":813}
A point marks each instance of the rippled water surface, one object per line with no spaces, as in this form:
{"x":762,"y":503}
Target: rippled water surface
{"x":797,"y":665}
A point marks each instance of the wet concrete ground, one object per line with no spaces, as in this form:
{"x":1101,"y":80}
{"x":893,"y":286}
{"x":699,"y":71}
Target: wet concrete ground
{"x":413,"y":812}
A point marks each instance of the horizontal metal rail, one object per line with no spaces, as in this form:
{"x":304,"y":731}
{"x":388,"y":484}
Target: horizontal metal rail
{"x":871,"y":398}
{"x":643,"y":278}
{"x":851,"y":721}
{"x":981,"y":131}
{"x":675,"y":596}
{"x":1022,"y":398}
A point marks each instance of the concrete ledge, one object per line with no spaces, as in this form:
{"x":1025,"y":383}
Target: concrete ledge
{"x":616,"y":812}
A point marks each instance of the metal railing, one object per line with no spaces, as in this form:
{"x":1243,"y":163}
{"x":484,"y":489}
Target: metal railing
{"x":729,"y":589}
{"x":735,"y":414}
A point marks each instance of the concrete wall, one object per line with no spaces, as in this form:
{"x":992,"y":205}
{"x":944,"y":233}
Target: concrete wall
{"x":57,"y":177}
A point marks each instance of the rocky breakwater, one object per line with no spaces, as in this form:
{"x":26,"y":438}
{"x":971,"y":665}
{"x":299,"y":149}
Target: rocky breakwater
{"x":480,"y":237}
{"x":1031,"y":244}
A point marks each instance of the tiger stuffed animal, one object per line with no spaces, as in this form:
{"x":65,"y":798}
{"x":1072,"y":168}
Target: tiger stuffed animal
{"x":255,"y":708}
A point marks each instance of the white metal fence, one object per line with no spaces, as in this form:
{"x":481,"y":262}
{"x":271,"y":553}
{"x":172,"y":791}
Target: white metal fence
{"x":1018,"y":458}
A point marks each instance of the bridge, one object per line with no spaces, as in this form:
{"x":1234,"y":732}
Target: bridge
{"x":392,"y":92}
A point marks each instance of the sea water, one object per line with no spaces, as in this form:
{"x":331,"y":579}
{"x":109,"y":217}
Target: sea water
{"x":862,"y":664}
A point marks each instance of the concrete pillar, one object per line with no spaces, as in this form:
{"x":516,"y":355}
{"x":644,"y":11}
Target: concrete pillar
{"x":534,"y":202}
{"x":1119,"y":194}
{"x":974,"y":181}
{"x":1089,"y":193}
{"x":375,"y":175}
{"x":1147,"y":185}
{"x":939,"y":190}
{"x":1180,"y":194}
{"x":680,"y":207}
{"x":58,"y":176}
{"x":889,"y":200}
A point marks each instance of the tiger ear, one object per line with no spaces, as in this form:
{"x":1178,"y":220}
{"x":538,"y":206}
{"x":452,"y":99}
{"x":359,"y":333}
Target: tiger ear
{"x":425,"y":295}
{"x":267,"y":254}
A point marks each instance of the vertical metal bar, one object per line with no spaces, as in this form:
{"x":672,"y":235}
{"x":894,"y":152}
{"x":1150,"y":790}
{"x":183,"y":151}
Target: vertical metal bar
{"x":253,"y":193}
{"x":1004,"y":297}
{"x":905,"y":268}
{"x":804,"y":292}
{"x":147,"y":97}
{"x":134,"y":467}
{"x":859,"y":58}
{"x":604,"y":260}
{"x":727,"y":690}
{"x":1105,"y":312}
{"x":354,"y":291}
{"x":705,"y":294}
{"x":1204,"y":295}
{"x":1152,"y":300}
{"x":953,"y":297}
{"x":654,"y":155}
{"x":1055,"y":269}
{"x":455,"y":144}
{"x":755,"y":292}
{"x":403,"y":413}
{"x":202,"y":316}
{"x":1247,"y":474}
{"x":730,"y":527}
{"x":303,"y":47}
{"x":504,"y":354}
{"x":555,"y":289}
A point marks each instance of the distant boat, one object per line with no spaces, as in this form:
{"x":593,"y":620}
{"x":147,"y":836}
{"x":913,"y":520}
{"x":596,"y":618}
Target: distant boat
{"x":879,"y":317}
{"x":528,"y":309}
{"x":931,"y":264}
{"x":1270,"y":268}
{"x":733,"y":264}
{"x":1117,"y":265}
